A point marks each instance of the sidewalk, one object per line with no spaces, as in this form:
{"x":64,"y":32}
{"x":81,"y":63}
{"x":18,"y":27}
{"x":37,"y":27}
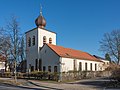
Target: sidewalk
{"x":61,"y":86}
{"x":49,"y":85}
{"x":86,"y":84}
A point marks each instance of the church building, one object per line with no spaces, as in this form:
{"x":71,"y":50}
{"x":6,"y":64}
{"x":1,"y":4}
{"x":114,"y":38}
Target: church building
{"x":44,"y":55}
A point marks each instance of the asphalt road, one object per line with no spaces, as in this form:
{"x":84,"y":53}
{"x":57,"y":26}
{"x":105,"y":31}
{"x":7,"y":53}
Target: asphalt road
{"x":11,"y":87}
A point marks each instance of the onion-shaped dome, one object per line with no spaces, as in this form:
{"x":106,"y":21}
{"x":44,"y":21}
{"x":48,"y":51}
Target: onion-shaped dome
{"x":40,"y":21}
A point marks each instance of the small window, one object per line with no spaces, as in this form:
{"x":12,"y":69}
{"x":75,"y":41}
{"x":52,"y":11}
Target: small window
{"x":95,"y":67}
{"x":50,"y":40}
{"x":32,"y":68}
{"x":91,"y":66}
{"x":44,"y":40}
{"x":45,"y":51}
{"x":55,"y":68}
{"x":44,"y":68}
{"x":85,"y":66}
{"x":33,"y":40}
{"x":29,"y":42}
{"x":36,"y":64}
{"x":49,"y":68}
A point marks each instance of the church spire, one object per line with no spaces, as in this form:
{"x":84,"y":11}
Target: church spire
{"x":40,"y":9}
{"x":40,"y":21}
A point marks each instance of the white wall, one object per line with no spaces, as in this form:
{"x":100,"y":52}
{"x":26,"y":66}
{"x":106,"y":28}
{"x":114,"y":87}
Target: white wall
{"x":105,"y":64}
{"x":49,"y":58}
{"x":32,"y":51}
{"x":68,"y":64}
{"x":48,"y":34}
{"x":2,"y":65}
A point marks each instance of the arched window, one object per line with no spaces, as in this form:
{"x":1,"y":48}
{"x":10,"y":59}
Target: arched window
{"x":86,"y":67}
{"x":80,"y":66}
{"x":33,"y":40}
{"x":44,"y":40}
{"x":50,"y":40}
{"x":95,"y":66}
{"x":29,"y":42}
{"x":91,"y":66}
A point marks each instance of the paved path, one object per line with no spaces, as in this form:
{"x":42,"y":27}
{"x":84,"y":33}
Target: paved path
{"x":88,"y":84}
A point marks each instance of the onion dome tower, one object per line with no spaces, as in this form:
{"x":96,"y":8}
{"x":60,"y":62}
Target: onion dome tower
{"x":40,"y":20}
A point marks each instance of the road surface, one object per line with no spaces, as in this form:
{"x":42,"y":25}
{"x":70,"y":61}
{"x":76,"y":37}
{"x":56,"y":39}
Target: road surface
{"x":12,"y":87}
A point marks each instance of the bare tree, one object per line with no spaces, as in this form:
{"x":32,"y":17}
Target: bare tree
{"x":11,"y":41}
{"x":111,"y":44}
{"x":14,"y":34}
{"x":22,"y":48}
{"x":4,"y":45}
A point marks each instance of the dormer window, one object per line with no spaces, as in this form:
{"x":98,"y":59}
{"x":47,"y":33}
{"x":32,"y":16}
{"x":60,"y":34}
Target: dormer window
{"x":50,"y":40}
{"x":29,"y":42}
{"x":44,"y":40}
{"x":33,"y":40}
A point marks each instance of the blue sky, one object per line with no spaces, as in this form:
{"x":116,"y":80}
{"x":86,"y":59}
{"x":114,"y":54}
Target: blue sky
{"x":79,"y":24}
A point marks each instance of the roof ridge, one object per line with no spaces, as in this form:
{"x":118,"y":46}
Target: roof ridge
{"x":67,"y":48}
{"x":72,"y":53}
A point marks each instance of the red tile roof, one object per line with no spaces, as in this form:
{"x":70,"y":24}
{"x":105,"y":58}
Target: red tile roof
{"x":71,"y":53}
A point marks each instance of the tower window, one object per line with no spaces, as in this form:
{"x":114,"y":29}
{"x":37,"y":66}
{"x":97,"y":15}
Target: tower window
{"x":33,"y":40}
{"x":29,"y":42}
{"x":50,"y":40}
{"x":44,"y":40}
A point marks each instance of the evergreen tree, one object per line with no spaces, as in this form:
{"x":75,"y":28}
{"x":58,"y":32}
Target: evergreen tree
{"x":107,"y":57}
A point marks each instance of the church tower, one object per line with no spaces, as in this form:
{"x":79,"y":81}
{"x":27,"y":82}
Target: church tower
{"x":35,"y":39}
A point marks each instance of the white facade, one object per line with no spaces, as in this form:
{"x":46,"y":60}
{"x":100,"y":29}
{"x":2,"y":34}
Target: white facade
{"x":52,"y":59}
{"x":2,"y":66}
{"x":33,"y":51}
{"x":68,"y":64}
{"x":49,"y":58}
{"x":105,"y":64}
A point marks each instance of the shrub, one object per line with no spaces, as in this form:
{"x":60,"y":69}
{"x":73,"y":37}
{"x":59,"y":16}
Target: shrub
{"x":6,"y":74}
{"x":116,"y":74}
